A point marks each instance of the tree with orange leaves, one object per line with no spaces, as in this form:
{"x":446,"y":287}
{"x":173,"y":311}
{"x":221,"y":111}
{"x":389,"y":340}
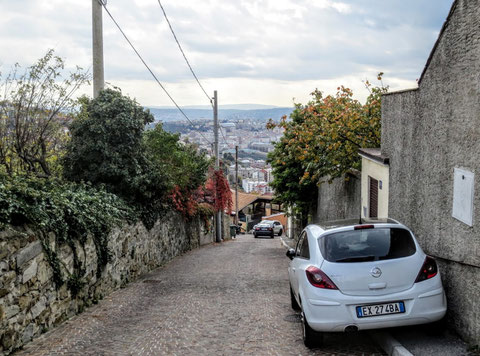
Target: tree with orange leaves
{"x":321,"y":142}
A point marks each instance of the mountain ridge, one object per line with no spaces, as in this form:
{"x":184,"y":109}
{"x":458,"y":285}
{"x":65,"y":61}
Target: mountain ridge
{"x":173,"y":114}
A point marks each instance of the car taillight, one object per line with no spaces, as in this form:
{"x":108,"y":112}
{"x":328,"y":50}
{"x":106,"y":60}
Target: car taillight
{"x":319,"y":279}
{"x":257,"y":228}
{"x":362,"y":227}
{"x":428,"y":270}
{"x":270,"y":228}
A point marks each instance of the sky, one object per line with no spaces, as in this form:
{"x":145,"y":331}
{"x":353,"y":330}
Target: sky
{"x":272,"y":52}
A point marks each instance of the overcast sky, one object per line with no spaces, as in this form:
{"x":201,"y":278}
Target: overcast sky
{"x":252,"y":51}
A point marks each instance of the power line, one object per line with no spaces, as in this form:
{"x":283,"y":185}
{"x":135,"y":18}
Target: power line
{"x":183,"y":53}
{"x":221,"y":130}
{"x":146,"y":65}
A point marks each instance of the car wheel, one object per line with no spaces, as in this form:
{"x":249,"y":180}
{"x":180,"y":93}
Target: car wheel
{"x":255,"y":235}
{"x":311,"y":338}
{"x":295,"y":305}
{"x":280,"y":232}
{"x":273,"y":235}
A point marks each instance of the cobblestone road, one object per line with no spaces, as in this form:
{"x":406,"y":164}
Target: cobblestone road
{"x":225,"y":299}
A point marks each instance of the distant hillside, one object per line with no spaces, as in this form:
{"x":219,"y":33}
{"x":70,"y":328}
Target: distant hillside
{"x":167,"y":115}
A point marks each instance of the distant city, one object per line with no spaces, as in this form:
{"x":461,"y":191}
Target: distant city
{"x":240,"y":125}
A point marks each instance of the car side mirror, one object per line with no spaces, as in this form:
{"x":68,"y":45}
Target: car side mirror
{"x":291,"y":253}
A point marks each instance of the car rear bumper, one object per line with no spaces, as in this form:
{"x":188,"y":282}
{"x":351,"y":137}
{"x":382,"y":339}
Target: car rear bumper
{"x":263,"y":233}
{"x":333,"y":311}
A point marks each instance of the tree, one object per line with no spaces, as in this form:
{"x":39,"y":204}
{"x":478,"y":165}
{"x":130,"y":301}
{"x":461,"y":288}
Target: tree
{"x":184,"y":164}
{"x":107,"y":148}
{"x":35,"y":108}
{"x":297,"y":194}
{"x":321,"y":142}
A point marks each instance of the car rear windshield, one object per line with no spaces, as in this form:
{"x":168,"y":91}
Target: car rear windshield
{"x":367,"y":245}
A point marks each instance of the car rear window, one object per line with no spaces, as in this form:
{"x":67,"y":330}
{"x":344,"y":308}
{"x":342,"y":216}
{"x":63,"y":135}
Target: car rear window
{"x":367,"y":245}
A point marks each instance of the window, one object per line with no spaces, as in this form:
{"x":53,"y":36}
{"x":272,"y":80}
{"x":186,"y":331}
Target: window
{"x":367,"y":245}
{"x":302,"y":250}
{"x":299,"y":244}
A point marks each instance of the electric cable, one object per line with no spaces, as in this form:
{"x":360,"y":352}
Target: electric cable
{"x":221,"y":130}
{"x":148,"y":68}
{"x":183,"y":53}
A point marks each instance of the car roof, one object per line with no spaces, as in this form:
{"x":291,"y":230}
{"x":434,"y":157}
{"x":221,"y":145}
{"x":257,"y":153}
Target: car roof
{"x":333,"y":224}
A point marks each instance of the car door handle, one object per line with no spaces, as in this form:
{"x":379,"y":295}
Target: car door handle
{"x":377,"y":285}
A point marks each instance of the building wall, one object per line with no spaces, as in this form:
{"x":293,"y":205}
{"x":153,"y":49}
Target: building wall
{"x":427,"y":133}
{"x":340,"y":199}
{"x":31,"y":303}
{"x":379,"y":172}
{"x":281,"y":217}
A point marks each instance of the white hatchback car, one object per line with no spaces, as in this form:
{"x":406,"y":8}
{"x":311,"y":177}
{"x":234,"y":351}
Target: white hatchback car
{"x":347,"y":276}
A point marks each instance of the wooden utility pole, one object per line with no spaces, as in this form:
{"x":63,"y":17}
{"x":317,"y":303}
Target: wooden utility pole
{"x":97,"y":47}
{"x":218,"y":215}
{"x":236,"y":185}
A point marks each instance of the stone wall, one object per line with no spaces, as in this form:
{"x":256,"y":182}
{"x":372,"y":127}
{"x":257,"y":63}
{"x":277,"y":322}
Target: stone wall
{"x":31,"y":303}
{"x":427,"y":133}
{"x":340,"y":199}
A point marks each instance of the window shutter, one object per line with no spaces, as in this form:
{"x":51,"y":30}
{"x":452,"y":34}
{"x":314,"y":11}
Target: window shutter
{"x":373,"y":198}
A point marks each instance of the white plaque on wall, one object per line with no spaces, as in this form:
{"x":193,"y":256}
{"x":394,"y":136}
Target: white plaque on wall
{"x":463,"y":189}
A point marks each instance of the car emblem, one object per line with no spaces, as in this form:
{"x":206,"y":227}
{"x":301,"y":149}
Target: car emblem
{"x":376,"y":272}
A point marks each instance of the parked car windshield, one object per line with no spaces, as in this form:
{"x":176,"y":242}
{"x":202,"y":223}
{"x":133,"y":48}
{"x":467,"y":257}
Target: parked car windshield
{"x":367,"y":245}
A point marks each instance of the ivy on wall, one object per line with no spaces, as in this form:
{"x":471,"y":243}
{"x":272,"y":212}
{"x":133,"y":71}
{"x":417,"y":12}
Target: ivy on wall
{"x":72,"y":211}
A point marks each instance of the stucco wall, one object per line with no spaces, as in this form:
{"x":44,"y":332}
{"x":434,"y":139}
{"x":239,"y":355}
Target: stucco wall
{"x":31,"y":303}
{"x":379,"y":172}
{"x":427,"y":133}
{"x":340,"y":199}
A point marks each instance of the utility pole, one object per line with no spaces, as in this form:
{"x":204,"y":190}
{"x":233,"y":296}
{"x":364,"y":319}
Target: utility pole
{"x":236,"y":185}
{"x":97,"y":44}
{"x":218,"y":215}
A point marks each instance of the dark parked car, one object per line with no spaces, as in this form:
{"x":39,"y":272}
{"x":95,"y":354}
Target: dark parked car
{"x":265,"y":228}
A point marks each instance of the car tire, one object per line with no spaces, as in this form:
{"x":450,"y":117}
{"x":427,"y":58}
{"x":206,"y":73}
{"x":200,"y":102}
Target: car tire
{"x":311,"y":338}
{"x":280,"y":232}
{"x":255,"y":235}
{"x":273,"y":235}
{"x":295,"y":305}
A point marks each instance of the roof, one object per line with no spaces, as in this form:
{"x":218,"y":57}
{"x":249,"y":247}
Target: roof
{"x":400,"y":91}
{"x":374,"y":154}
{"x":245,"y":199}
{"x":273,"y":215}
{"x":333,"y":224}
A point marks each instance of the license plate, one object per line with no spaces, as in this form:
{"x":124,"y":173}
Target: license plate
{"x":365,"y":311}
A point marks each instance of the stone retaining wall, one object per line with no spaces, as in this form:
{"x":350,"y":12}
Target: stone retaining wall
{"x":31,"y":303}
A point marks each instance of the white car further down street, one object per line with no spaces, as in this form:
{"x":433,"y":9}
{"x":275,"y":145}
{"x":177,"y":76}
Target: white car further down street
{"x":348,"y":275}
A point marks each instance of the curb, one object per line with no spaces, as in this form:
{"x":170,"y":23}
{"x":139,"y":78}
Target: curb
{"x":286,"y":245}
{"x":390,"y":345}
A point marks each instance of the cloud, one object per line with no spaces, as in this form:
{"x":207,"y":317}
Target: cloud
{"x":244,"y":47}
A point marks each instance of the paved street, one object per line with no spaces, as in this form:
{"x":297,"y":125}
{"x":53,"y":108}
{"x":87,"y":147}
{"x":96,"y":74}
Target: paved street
{"x":223,"y":299}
